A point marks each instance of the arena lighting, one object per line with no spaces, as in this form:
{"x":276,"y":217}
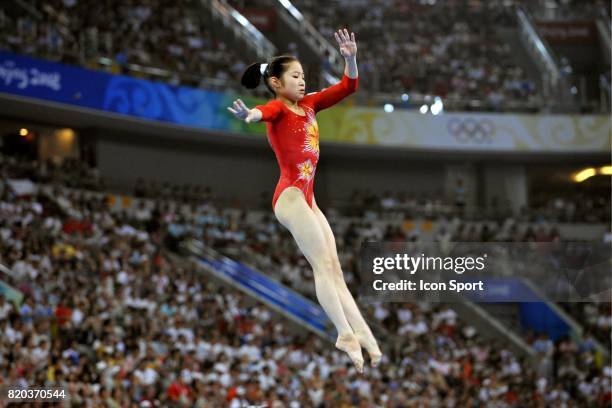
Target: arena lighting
{"x":389,"y":108}
{"x":584,"y":174}
{"x":23,"y":132}
{"x":605,"y":170}
{"x":66,"y":135}
{"x":437,"y":106}
{"x":424,"y":109}
{"x":242,"y":20}
{"x":294,"y":12}
{"x":589,"y":172}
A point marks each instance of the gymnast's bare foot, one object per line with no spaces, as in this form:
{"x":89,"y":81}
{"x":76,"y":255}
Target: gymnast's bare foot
{"x":349,"y":343}
{"x":367,"y":340}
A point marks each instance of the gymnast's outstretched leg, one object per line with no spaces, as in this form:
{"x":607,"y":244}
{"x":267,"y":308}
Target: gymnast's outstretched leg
{"x":293,"y":212}
{"x":356,"y":320}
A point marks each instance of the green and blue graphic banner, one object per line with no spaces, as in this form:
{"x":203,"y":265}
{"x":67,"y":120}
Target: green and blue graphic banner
{"x":31,"y":77}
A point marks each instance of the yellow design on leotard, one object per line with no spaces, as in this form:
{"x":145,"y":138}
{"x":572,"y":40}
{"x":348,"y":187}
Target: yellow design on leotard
{"x":311,"y":143}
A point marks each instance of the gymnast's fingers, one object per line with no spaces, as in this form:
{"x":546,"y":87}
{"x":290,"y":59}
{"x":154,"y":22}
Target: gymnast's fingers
{"x":344,"y":35}
{"x":338,"y":38}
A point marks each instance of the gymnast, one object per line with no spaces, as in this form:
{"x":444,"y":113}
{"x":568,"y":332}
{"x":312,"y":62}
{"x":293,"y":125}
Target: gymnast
{"x":293,"y":134}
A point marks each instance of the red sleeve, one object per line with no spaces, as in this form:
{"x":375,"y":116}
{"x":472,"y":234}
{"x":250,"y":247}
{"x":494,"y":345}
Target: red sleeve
{"x":335,"y":93}
{"x":271,"y":110}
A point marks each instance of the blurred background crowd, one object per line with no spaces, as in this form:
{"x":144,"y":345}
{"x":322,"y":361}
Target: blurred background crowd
{"x":115,"y":315}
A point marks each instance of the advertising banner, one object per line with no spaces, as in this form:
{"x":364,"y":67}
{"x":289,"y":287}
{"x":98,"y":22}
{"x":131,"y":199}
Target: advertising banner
{"x":193,"y":107}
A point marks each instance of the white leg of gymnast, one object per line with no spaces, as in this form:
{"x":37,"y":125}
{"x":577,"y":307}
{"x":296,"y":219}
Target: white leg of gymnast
{"x":293,"y":212}
{"x":355,"y":318}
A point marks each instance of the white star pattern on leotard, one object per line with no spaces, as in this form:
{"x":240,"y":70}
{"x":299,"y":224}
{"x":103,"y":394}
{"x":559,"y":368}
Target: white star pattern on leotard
{"x":306,"y":170}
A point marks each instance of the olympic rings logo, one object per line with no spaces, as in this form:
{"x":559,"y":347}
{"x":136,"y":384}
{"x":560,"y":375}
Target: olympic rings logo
{"x":471,"y":130}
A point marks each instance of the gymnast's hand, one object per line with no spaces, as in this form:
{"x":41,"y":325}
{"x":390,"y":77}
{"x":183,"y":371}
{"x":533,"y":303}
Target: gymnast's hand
{"x":348,"y":46}
{"x":242,"y":112}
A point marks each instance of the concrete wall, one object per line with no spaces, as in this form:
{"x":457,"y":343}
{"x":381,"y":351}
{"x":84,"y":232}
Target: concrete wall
{"x":247,"y":172}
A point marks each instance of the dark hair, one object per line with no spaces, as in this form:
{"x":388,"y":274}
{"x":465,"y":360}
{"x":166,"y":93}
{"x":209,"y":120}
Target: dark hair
{"x":276,"y":67}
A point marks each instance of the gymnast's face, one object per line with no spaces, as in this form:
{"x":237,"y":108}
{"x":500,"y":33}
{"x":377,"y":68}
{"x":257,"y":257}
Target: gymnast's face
{"x":292,"y":84}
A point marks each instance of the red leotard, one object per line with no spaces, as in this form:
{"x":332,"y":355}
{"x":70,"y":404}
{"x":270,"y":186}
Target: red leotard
{"x":295,"y":138}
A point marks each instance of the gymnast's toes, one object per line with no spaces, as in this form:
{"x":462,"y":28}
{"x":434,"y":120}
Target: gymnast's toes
{"x":348,"y":343}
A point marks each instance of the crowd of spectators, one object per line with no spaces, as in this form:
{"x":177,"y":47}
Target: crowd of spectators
{"x":69,"y":172}
{"x":260,"y":241}
{"x":445,"y":48}
{"x":176,"y":37}
{"x":574,"y":205}
{"x":596,"y":319}
{"x":567,"y":9}
{"x":111,"y":314}
{"x":584,"y":206}
{"x":453,"y":47}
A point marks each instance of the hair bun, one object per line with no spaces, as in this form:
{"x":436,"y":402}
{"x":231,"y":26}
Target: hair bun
{"x":252,"y":76}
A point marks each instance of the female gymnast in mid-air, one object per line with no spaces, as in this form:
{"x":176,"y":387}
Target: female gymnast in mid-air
{"x":293,"y":134}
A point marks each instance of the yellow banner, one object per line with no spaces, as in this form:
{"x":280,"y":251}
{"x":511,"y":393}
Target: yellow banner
{"x":466,"y":131}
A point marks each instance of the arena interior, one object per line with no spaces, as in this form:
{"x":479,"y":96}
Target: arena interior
{"x":141,"y":262}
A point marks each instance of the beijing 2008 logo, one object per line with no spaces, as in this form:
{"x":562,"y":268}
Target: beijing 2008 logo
{"x":471,"y":130}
